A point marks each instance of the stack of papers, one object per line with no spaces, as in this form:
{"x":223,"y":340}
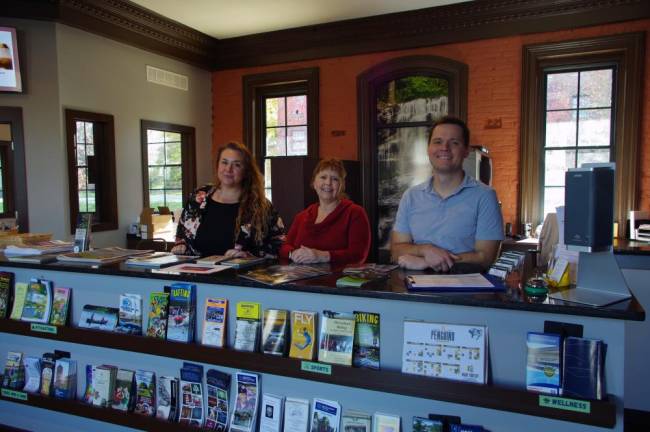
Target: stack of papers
{"x":39,"y":248}
{"x":454,"y":283}
{"x":101,"y":256}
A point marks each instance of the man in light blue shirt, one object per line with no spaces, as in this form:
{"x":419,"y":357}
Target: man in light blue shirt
{"x":451,"y":217}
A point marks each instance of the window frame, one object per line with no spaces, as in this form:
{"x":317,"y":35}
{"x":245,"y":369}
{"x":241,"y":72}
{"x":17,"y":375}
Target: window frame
{"x":625,"y":51}
{"x":7,"y":180}
{"x":258,"y":87}
{"x":188,"y":156}
{"x":106,"y":189}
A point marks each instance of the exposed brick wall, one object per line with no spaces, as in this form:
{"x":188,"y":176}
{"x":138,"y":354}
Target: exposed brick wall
{"x":493,"y":93}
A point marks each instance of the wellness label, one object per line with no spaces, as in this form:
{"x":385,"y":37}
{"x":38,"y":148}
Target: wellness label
{"x":565,"y":404}
{"x":14,"y":394}
{"x":43,"y":328}
{"x":320,"y":368}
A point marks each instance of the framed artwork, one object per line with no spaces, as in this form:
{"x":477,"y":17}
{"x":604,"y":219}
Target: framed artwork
{"x":10,"y":80}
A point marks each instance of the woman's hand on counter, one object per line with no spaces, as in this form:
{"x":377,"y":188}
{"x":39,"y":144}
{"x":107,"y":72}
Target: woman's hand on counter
{"x":305,"y":255}
{"x":412,"y":262}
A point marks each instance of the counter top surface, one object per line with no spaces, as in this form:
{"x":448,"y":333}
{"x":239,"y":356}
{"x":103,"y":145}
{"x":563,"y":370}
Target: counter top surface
{"x":392,"y":288}
{"x":631,"y":247}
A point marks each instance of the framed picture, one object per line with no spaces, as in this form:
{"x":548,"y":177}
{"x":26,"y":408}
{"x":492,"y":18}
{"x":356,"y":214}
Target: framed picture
{"x":9,"y":64}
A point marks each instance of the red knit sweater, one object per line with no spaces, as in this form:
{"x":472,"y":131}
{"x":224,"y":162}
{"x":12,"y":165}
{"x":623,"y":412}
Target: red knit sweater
{"x":345,"y":233}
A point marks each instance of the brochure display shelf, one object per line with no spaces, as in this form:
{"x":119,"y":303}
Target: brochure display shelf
{"x":502,"y":405}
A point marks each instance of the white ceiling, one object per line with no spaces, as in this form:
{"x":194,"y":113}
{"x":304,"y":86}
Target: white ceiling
{"x":229,"y":18}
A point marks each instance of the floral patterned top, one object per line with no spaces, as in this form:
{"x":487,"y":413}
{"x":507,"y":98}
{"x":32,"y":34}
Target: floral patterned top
{"x":192,"y":215}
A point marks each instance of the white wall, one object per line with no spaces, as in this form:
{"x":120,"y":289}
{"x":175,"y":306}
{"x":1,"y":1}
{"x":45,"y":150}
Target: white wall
{"x":69,"y":68}
{"x":44,"y":151}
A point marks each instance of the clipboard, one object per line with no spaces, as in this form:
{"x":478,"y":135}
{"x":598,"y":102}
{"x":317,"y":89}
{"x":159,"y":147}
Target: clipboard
{"x":464,"y":283}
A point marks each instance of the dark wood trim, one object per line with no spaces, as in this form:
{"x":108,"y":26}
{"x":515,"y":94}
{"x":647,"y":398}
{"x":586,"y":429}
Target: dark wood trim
{"x":14,"y":116}
{"x":454,"y":23}
{"x":127,"y":22}
{"x":257,"y":86}
{"x":7,"y":180}
{"x":624,"y":50}
{"x":636,"y":420}
{"x":188,"y":155}
{"x":106,"y":194}
{"x":367,"y":84}
{"x":603,"y":413}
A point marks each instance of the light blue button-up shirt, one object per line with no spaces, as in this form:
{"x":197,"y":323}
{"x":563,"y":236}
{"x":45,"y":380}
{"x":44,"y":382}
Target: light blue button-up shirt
{"x":454,"y":223}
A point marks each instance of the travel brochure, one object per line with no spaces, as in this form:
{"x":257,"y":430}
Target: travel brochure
{"x":191,"y":268}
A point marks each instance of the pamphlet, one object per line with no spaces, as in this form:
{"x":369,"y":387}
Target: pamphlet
{"x":245,"y":413}
{"x":442,"y":350}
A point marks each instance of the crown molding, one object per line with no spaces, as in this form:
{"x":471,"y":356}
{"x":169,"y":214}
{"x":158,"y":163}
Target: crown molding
{"x":123,"y":21}
{"x":460,"y":22}
{"x":127,"y":22}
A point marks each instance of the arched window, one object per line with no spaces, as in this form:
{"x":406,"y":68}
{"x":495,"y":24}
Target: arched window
{"x":398,"y":101}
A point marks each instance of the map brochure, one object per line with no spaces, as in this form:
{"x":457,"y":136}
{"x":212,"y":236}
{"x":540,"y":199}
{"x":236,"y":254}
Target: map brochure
{"x":247,"y":326}
{"x":214,"y":322}
{"x":443,"y":350}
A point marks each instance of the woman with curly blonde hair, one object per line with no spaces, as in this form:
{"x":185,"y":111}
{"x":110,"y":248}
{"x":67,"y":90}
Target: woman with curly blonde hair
{"x":231,"y":217}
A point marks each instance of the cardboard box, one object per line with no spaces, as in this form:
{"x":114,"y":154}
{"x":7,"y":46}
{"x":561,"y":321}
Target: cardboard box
{"x":157,"y":223}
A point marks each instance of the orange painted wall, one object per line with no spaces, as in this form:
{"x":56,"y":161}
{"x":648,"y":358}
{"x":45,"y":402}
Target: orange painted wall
{"x":493,"y":92}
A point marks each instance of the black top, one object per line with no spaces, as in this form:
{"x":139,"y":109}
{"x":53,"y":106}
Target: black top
{"x":216,"y":234}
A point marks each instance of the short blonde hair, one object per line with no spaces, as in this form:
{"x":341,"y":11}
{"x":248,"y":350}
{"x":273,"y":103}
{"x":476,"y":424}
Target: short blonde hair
{"x":335,"y":165}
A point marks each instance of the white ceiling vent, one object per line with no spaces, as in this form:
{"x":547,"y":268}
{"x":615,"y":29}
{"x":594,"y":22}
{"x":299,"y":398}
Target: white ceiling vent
{"x":166,"y":78}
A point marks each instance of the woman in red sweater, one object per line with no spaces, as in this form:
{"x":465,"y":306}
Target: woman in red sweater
{"x":333,"y":230}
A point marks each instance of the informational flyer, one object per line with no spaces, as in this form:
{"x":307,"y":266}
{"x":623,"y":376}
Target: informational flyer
{"x":440,"y":350}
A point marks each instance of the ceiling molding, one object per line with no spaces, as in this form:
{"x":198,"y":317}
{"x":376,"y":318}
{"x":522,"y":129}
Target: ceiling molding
{"x":123,"y":21}
{"x":127,"y":22}
{"x":458,"y":22}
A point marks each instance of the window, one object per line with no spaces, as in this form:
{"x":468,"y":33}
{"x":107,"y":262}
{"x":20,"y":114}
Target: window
{"x":578,"y":126}
{"x":91,"y":166}
{"x":581,"y":102}
{"x":281,"y":117}
{"x":168,"y":164}
{"x":399,"y":100}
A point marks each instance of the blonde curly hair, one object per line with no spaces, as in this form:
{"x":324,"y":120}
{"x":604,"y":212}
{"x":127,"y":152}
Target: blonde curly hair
{"x":254,"y":208}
